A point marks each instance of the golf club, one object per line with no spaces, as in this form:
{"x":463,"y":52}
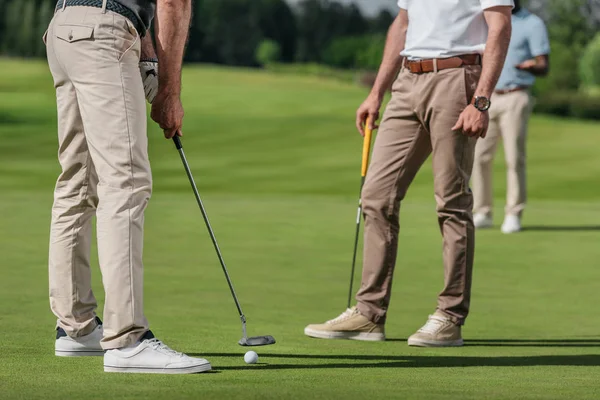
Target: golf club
{"x":245,"y":340}
{"x":363,"y":173}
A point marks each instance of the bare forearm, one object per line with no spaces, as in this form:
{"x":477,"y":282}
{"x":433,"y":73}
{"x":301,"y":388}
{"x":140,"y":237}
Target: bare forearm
{"x":539,"y":66}
{"x":500,"y":29}
{"x":148,"y":52}
{"x":539,"y":71}
{"x":172,"y":27}
{"x":391,"y":63}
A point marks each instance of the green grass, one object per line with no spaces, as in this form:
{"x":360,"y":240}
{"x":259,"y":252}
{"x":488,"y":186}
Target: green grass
{"x":276,"y":159}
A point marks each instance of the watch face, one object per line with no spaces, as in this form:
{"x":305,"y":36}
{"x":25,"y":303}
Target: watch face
{"x":482,"y":103}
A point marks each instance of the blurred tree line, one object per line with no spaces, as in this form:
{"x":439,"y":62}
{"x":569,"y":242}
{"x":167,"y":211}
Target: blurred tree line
{"x":327,"y":32}
{"x":232,"y":31}
{"x":573,"y":86}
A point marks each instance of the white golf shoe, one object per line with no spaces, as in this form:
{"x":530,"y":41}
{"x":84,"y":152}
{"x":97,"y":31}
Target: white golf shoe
{"x":89,"y":345}
{"x":151,"y":356}
{"x":512,"y":224}
{"x":482,"y":221}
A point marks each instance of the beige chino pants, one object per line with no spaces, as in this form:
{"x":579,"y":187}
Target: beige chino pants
{"x":93,"y":56}
{"x":417,"y":123}
{"x":509,"y":119}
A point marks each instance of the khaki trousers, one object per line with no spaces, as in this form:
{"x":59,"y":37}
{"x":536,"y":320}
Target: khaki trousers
{"x":93,"y":57}
{"x":509,"y":118}
{"x":417,"y":123}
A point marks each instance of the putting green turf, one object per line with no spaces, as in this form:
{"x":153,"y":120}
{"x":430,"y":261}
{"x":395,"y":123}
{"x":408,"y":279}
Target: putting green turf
{"x":277,"y":159}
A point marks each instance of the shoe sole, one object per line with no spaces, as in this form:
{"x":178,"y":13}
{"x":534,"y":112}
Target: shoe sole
{"x":435,"y":343}
{"x":363,"y":336}
{"x":76,"y":353}
{"x":170,"y":371}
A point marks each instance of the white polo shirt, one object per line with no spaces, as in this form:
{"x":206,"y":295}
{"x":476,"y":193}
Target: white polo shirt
{"x":446,"y":28}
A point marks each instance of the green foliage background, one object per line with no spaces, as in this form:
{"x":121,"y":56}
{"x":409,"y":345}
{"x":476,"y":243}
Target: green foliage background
{"x":339,"y":36}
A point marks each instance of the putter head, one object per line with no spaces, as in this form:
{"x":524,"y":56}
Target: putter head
{"x":257,"y":341}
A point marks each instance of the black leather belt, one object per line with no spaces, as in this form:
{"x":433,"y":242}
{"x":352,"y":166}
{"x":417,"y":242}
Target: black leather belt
{"x":110,"y":6}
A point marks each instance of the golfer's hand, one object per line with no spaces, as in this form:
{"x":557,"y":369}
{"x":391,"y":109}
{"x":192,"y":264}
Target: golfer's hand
{"x":527,"y":65}
{"x":473,"y":122}
{"x":167,"y":112}
{"x":368,"y":109}
{"x":149,"y":72}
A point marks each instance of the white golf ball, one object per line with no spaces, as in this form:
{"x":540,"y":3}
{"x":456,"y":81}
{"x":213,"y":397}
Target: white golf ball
{"x":251,"y":357}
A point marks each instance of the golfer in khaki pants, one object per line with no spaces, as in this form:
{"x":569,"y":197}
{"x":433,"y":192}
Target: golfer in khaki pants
{"x":102,"y":63}
{"x":439,"y":107}
{"x":527,"y":58}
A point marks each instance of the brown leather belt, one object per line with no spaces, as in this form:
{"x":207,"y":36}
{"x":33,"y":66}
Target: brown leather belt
{"x":425,"y":66}
{"x":511,"y":90}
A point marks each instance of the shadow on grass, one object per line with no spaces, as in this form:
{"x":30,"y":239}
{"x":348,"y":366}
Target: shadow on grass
{"x":561,"y":228}
{"x":7,"y":118}
{"x":525,"y":342}
{"x":533,"y":342}
{"x":354,"y":361}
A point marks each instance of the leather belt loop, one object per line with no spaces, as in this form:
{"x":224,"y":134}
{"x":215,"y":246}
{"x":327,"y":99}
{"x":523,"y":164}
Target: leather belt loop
{"x":435,"y":65}
{"x":104,"y":2}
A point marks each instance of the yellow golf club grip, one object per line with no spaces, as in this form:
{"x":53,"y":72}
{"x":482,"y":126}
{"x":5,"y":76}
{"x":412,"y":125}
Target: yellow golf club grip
{"x":366,"y":148}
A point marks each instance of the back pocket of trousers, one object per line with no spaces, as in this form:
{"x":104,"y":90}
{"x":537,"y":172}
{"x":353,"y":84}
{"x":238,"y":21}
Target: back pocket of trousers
{"x":74,"y":33}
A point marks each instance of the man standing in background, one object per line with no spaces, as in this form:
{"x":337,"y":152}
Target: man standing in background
{"x":527,"y":58}
{"x":103,"y":62}
{"x":439,"y":108}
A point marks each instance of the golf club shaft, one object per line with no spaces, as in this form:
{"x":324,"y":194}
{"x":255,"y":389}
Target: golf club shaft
{"x":179,"y":147}
{"x":363,"y":172}
{"x":355,"y":242}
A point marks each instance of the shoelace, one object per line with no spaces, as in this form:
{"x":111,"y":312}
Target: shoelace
{"x":433,"y":325}
{"x":160,"y":346}
{"x":342,"y":317}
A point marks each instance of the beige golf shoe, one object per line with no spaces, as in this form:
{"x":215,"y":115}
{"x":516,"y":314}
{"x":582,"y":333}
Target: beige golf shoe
{"x":439,"y":331}
{"x":351,"y":324}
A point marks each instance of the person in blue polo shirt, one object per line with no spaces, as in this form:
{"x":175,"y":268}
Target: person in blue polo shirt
{"x":528,"y":58}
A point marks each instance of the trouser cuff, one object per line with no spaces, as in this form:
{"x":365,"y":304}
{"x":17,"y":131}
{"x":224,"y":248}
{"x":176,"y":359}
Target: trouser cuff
{"x":457,"y":320}
{"x":123,"y":340}
{"x":377,"y":317}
